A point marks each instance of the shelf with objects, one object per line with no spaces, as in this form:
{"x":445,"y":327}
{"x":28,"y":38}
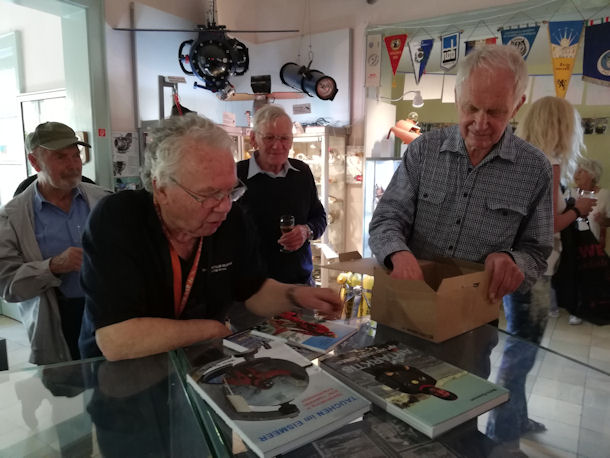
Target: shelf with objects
{"x":241,"y":141}
{"x":323,"y":149}
{"x":377,"y":175}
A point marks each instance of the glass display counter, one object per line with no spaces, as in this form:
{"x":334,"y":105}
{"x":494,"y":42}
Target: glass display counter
{"x":99,"y":408}
{"x":141,"y":407}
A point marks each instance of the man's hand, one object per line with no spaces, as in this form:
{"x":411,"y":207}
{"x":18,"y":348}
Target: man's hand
{"x":505,"y":276}
{"x":406,"y":266}
{"x":325,"y":301}
{"x":294,"y":239}
{"x":68,"y":261}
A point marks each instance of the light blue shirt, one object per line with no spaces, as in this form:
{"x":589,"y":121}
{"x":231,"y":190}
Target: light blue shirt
{"x":253,"y":169}
{"x":57,"y":230}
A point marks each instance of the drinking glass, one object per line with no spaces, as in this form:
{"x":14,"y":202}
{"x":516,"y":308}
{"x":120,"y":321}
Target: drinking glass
{"x":587,"y":195}
{"x":286,"y":225}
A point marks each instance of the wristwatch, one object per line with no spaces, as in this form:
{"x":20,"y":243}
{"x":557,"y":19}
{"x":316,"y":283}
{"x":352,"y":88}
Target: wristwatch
{"x":309,"y":232}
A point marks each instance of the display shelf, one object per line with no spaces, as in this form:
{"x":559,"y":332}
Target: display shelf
{"x":377,"y":175}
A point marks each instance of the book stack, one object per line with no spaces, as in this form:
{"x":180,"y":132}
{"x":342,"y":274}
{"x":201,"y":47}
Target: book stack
{"x":297,"y":329}
{"x":430,"y":395}
{"x":275,"y":398}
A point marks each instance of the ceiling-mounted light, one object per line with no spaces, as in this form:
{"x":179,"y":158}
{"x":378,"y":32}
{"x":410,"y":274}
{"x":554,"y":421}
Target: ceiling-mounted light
{"x":311,"y":82}
{"x":213,"y":57}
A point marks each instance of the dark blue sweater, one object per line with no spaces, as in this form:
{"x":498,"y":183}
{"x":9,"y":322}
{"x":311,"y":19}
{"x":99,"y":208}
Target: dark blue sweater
{"x":269,"y":198}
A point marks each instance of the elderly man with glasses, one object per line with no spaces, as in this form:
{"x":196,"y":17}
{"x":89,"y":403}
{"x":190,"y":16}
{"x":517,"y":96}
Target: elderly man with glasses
{"x":162,"y":265}
{"x":280,"y":186}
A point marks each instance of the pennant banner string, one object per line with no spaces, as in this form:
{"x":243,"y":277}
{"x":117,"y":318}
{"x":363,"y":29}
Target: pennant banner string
{"x":446,"y":31}
{"x":595,"y":16}
{"x":520,"y":26}
{"x":520,"y":13}
{"x":413,"y":35}
{"x":576,"y":8}
{"x":477,"y":26}
{"x":561,"y":6}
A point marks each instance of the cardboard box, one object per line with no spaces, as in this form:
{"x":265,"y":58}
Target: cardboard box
{"x":451,"y":301}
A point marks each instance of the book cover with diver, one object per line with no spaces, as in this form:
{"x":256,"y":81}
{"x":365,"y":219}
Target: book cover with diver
{"x":428,"y":394}
{"x":272,"y":396}
{"x":304,"y":331}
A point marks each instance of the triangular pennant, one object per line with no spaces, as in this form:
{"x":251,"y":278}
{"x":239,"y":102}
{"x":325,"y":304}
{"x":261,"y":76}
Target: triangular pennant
{"x":450,"y":50}
{"x":596,"y":58}
{"x":521,"y":38}
{"x":395,"y":44}
{"x":420,"y":53}
{"x":474,"y":44}
{"x":564,"y":37}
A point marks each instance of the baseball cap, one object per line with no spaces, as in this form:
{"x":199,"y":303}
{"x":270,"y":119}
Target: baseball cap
{"x":52,"y":136}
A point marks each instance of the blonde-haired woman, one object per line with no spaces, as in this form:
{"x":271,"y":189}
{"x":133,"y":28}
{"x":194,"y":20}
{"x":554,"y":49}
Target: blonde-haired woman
{"x":552,"y":125}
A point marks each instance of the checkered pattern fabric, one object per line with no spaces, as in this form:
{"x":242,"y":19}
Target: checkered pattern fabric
{"x":438,"y":204}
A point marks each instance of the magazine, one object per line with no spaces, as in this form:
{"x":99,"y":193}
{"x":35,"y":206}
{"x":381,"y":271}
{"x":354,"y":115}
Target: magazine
{"x":305,"y":331}
{"x":249,"y":339}
{"x":378,"y":435}
{"x":273,"y":397}
{"x":430,"y":395}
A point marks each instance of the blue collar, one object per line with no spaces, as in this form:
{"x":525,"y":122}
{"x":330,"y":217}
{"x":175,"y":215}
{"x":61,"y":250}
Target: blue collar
{"x":254,"y":168}
{"x":39,"y":198}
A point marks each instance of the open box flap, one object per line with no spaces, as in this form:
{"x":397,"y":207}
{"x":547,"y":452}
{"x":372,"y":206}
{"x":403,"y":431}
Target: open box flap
{"x":478,"y":281}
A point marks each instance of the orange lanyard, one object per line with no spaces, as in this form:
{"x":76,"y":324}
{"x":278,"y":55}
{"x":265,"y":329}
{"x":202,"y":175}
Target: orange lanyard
{"x":180,"y":302}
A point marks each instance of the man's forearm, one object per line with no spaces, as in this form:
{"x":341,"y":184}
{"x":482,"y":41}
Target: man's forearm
{"x":270,"y":299}
{"x":139,"y":337}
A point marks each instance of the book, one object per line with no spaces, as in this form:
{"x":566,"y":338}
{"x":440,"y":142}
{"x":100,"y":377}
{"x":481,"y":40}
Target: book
{"x":430,"y":395}
{"x":273,"y":397}
{"x":250,"y":339}
{"x":378,"y":435}
{"x":305,"y":331}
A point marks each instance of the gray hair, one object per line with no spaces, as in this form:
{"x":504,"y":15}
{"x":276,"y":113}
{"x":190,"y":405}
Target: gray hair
{"x":267,"y":114}
{"x":591,"y":166}
{"x":494,"y":57}
{"x":172,"y":139}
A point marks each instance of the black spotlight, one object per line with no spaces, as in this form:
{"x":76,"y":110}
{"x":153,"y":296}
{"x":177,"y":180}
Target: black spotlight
{"x":213,"y":57}
{"x":311,"y":82}
{"x":260,"y":84}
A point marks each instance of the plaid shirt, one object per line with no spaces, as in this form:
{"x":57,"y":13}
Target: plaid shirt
{"x":438,"y":205}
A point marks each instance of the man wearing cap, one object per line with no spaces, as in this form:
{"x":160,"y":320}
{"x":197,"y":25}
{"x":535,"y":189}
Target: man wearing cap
{"x":40,"y":244}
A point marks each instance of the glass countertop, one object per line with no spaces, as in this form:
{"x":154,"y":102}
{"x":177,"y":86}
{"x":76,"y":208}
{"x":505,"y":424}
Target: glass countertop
{"x":142,"y":407}
{"x":99,"y":408}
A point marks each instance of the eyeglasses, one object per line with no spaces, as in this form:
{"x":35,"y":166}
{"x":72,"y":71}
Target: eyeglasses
{"x":213,"y":199}
{"x":271,"y":139}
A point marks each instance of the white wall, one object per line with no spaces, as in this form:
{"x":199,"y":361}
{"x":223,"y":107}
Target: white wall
{"x":273,"y":14}
{"x":157,"y":55}
{"x":268,"y":58}
{"x":43,"y":63}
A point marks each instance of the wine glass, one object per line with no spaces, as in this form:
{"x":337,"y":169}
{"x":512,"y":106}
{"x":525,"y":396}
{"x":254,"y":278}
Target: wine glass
{"x":586,"y":195}
{"x":286,"y":225}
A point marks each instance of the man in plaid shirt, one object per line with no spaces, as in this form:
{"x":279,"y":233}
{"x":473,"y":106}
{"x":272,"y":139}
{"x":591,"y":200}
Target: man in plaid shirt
{"x":472,"y":191}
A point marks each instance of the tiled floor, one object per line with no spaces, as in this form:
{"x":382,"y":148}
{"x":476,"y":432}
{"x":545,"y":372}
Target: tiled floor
{"x":573,"y":409}
{"x":572,"y":400}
